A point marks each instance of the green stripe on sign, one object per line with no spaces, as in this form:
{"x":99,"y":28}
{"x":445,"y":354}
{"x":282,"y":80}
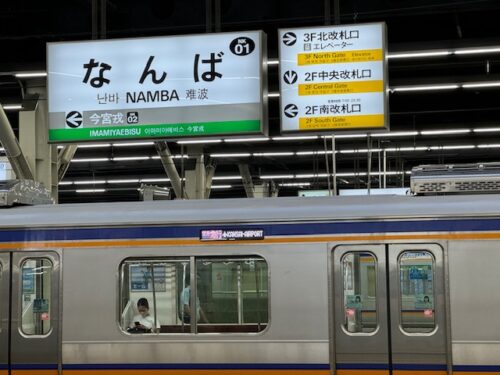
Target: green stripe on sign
{"x":154,"y":131}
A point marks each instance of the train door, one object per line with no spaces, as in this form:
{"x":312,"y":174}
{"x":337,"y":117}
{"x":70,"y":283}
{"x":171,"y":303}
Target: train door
{"x":389,"y":309}
{"x":29,"y":313}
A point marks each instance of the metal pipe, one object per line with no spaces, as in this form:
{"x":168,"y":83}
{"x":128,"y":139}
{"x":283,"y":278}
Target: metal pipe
{"x":385,"y":168}
{"x":327,"y":167}
{"x":13,"y":149}
{"x":169,"y":166}
{"x":64,"y":160}
{"x":369,"y":166}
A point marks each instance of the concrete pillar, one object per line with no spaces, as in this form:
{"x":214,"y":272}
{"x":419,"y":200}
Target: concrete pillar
{"x":33,"y":138}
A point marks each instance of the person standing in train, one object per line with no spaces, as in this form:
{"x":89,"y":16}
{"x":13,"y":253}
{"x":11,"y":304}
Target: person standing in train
{"x":185,"y":309}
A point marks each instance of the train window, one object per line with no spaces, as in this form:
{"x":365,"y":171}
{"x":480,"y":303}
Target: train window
{"x":232,"y":294}
{"x":360,"y":299}
{"x":149,"y":297}
{"x":417,"y":291}
{"x":36,"y":296}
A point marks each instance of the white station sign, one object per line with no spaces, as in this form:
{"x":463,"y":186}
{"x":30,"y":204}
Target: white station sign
{"x":162,"y":87}
{"x":333,"y":78}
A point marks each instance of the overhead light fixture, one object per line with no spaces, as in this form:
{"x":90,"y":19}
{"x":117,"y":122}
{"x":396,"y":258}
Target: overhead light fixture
{"x":494,"y":145}
{"x":224,"y":178}
{"x":131,"y":158}
{"x":479,"y":50}
{"x":414,"y":55}
{"x":288,"y":153}
{"x":155,"y":180}
{"x":235,"y":155}
{"x":90,"y":191}
{"x":394,"y":134}
{"x":221,"y":187}
{"x":256,"y":139}
{"x":124,"y":181}
{"x":314,"y":175}
{"x":276,"y":176}
{"x":443,"y":132}
{"x":65,"y":183}
{"x":94,"y":145}
{"x":425,"y":88}
{"x":298,"y":138}
{"x":31,"y":75}
{"x":295,"y":184}
{"x":89,"y":160}
{"x":480,"y":85}
{"x":90,"y":182}
{"x":346,"y":136}
{"x":133,"y":144}
{"x":199,"y":141}
{"x":12,"y":107}
{"x":486,"y":130}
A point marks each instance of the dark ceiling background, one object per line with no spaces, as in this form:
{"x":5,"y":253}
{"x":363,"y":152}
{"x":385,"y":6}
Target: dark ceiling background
{"x":413,"y":25}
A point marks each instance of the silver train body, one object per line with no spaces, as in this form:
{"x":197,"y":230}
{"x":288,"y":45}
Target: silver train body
{"x":381,"y":285}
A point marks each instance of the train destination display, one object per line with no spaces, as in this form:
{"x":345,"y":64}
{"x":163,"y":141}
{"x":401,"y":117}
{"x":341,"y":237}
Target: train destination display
{"x":161,"y":87}
{"x":333,"y":78}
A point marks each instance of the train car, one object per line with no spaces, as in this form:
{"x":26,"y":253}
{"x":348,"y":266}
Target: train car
{"x":347,"y":286}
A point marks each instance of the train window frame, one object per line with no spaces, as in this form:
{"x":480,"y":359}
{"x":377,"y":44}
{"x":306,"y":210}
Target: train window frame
{"x":192,"y":262}
{"x":21,"y":289}
{"x":377,"y":312}
{"x":400,"y":294}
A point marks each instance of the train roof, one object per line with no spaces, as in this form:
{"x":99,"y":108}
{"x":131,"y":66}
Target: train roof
{"x":250,"y":210}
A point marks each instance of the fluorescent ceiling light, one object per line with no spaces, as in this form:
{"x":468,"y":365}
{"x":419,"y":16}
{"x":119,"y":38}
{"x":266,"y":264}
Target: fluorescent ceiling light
{"x":295,"y":184}
{"x":89,"y":160}
{"x":94,"y":145}
{"x":274,"y":153}
{"x":31,"y":74}
{"x":406,"y":149}
{"x":200,"y":141}
{"x":234,"y":140}
{"x":85,"y":191}
{"x":459,"y":147}
{"x":486,"y":130}
{"x":124,"y":181}
{"x":221,"y":187}
{"x":155,"y":180}
{"x":276,"y":176}
{"x":240,"y":155}
{"x":131,"y":158}
{"x":412,"y":55}
{"x":133,"y":144}
{"x":480,"y":84}
{"x":425,"y":88}
{"x":494,"y":145}
{"x":469,"y":51}
{"x":299,"y":138}
{"x":223,"y":178}
{"x":314,"y":175}
{"x":90,"y":182}
{"x":443,"y":132}
{"x":346,"y":136}
{"x":11,"y":107}
{"x":65,"y":183}
{"x":394,"y":134}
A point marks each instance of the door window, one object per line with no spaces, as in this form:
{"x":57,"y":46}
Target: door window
{"x":360,"y":299}
{"x":36,"y":285}
{"x":416,"y":273}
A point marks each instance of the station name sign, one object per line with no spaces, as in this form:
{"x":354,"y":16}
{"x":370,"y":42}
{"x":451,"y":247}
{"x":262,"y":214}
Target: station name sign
{"x":162,"y":87}
{"x":231,"y":234}
{"x":333,"y":78}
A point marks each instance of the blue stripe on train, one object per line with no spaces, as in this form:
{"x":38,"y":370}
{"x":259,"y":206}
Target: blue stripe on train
{"x":269,"y":230}
{"x":198,"y":366}
{"x":33,"y":366}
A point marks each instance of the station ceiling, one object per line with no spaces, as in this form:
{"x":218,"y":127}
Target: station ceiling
{"x":458,"y":123}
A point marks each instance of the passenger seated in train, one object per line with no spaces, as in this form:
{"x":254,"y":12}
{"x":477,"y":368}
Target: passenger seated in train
{"x":142,"y":322}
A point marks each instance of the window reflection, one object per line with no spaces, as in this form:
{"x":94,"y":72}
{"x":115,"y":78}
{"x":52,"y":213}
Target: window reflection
{"x":360,"y":300}
{"x":417,"y":291}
